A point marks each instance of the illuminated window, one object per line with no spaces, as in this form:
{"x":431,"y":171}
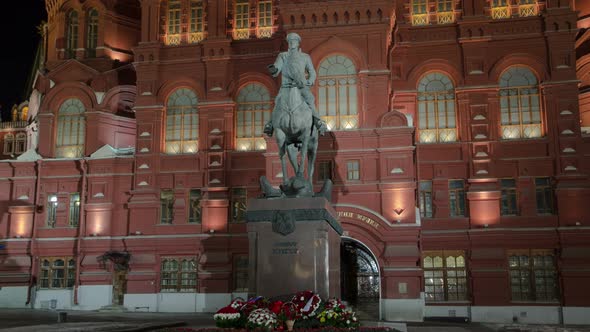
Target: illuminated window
{"x":72,"y":34}
{"x":353,"y":171}
{"x":240,"y":269}
{"x":457,"y":198}
{"x":533,"y":275}
{"x":445,"y":12}
{"x":520,"y":108}
{"x":425,"y":193}
{"x":51,"y":209}
{"x":74,"y":215}
{"x":419,"y":12}
{"x":500,"y":9}
{"x":239,"y":200}
{"x":527,"y":8}
{"x":436,"y":109}
{"x":325,"y":170}
{"x":196,"y":34}
{"x":92,"y":33}
{"x":173,"y":24}
{"x":8,"y":144}
{"x":178,"y":275}
{"x":508,"y":202}
{"x":242,"y":19}
{"x":445,"y":276}
{"x":337,"y":93}
{"x":264,"y":28}
{"x":182,"y":122}
{"x":20,"y":144}
{"x":544,"y":195}
{"x":194,"y":206}
{"x":71,"y":130}
{"x":166,"y":206}
{"x":57,"y":272}
{"x":254,"y":107}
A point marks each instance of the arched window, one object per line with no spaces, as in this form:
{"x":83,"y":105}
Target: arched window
{"x":182,"y":122}
{"x":196,"y":34}
{"x":520,"y":108}
{"x":71,"y":130}
{"x":92,"y":33}
{"x":173,"y":24}
{"x":337,"y":93}
{"x":72,"y":34}
{"x":8,"y":144}
{"x":436,"y":109}
{"x":253,"y":111}
{"x":20,"y":143}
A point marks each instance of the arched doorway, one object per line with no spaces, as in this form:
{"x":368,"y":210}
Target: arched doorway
{"x":360,"y":281}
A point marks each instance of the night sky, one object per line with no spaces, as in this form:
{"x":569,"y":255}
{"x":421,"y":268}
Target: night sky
{"x":18,"y":23}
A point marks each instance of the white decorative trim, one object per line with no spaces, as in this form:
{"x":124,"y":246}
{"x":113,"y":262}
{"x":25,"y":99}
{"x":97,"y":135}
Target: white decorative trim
{"x":397,"y":170}
{"x":279,"y":175}
{"x":567,"y":132}
{"x":214,"y":181}
{"x":216,"y":147}
{"x":144,"y":166}
{"x":144,"y":150}
{"x":215,"y":163}
{"x":481,"y":154}
{"x":145,"y":134}
{"x":482,"y":172}
{"x":99,"y":96}
{"x":570,"y":168}
{"x":568,"y":150}
{"x":98,"y":195}
{"x":480,"y":136}
{"x":216,"y":131}
{"x":566,"y":112}
{"x":142,"y":183}
{"x":23,"y":197}
{"x":479,"y":117}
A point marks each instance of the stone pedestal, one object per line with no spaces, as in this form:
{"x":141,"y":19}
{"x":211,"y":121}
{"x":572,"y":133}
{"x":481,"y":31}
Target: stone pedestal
{"x":294,"y":246}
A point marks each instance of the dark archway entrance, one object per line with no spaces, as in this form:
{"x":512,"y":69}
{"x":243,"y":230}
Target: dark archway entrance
{"x":359,"y":279}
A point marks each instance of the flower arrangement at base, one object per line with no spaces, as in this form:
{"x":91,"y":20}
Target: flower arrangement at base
{"x":307,"y":303}
{"x":336,"y":315}
{"x":261,"y":318}
{"x":228,"y":317}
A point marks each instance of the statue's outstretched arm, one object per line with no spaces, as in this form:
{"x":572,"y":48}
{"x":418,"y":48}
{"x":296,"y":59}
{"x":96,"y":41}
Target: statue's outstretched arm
{"x":275,"y":69}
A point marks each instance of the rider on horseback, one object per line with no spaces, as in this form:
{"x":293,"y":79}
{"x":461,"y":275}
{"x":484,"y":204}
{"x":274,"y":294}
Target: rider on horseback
{"x":294,"y":65}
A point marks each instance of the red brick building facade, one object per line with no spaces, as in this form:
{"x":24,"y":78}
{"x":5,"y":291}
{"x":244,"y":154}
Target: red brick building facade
{"x":456,"y":149}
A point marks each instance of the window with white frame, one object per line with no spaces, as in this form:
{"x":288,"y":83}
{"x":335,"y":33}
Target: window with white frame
{"x":8,"y":144}
{"x":353,"y":171}
{"x":520,"y":108}
{"x":338,"y":93}
{"x":178,"y":275}
{"x":20,"y":144}
{"x":437,"y":121}
{"x":242,"y":19}
{"x":72,"y":24}
{"x":173,"y":22}
{"x":91,"y":33}
{"x":51,"y":209}
{"x":71,"y":129}
{"x":264,"y":28}
{"x":182,"y":122}
{"x":254,"y":107}
{"x":196,"y":33}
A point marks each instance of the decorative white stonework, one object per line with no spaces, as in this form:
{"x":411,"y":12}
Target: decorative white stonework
{"x":51,"y":84}
{"x":397,"y":170}
{"x":567,"y":132}
{"x":481,"y":154}
{"x":144,"y":150}
{"x":480,"y":136}
{"x":570,"y":168}
{"x":216,"y":88}
{"x":279,"y":175}
{"x":214,"y":181}
{"x":568,"y":150}
{"x":142,"y":183}
{"x":216,"y":131}
{"x":216,"y":147}
{"x":98,"y":195}
{"x":99,"y":96}
{"x":23,"y":197}
{"x":566,"y":112}
{"x":145,"y":134}
{"x":481,"y":172}
{"x":479,"y":117}
{"x":146,"y":93}
{"x":144,"y":166}
{"x":215,"y":163}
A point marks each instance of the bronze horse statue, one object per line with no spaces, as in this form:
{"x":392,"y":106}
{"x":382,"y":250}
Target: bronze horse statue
{"x":295,"y":132}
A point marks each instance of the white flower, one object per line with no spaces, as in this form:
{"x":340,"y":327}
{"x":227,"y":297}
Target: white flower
{"x":347,"y":322}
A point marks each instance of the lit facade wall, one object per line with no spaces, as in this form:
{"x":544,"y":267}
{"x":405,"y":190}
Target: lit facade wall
{"x":456,"y":148}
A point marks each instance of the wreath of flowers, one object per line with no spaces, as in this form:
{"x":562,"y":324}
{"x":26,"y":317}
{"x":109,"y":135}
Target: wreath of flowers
{"x":237,"y":303}
{"x":227,"y":317}
{"x":338,"y":317}
{"x":261,"y":318}
{"x":307,"y":303}
{"x":334,"y":303}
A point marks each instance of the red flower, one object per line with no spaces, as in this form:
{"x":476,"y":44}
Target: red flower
{"x":227,"y":310}
{"x":276,"y":307}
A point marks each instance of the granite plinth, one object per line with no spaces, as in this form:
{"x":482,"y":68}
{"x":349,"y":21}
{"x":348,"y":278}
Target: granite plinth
{"x":306,"y":258}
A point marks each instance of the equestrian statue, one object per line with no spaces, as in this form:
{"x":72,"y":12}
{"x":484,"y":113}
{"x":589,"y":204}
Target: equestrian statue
{"x":294,"y":121}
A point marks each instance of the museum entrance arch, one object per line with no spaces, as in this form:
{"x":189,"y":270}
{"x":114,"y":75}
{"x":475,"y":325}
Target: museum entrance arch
{"x":360,"y":281}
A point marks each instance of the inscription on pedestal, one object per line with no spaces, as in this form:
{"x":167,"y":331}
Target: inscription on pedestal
{"x":285,"y":248}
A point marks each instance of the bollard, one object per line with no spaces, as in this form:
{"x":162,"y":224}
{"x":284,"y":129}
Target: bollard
{"x":62,"y":316}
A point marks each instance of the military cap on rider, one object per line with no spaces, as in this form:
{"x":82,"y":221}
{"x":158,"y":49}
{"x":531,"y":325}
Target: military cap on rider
{"x":293,"y":35}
